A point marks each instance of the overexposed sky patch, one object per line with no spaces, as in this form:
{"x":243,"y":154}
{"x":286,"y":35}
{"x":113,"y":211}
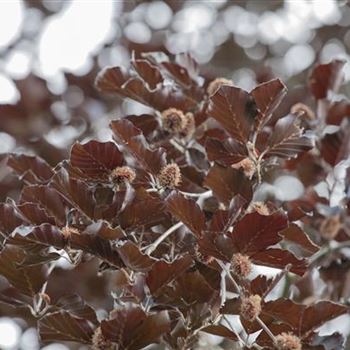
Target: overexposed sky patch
{"x":70,"y":37}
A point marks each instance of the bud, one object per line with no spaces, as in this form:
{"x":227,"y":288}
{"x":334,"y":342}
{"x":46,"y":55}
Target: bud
{"x":303,"y":110}
{"x":216,"y":84}
{"x":99,"y":342}
{"x":247,"y":165}
{"x":330,"y":227}
{"x":68,"y":231}
{"x":122,"y":174}
{"x":287,"y":341}
{"x":259,"y":207}
{"x":173,"y":120}
{"x":241,"y":265}
{"x":170,"y":176}
{"x":250,"y":307}
{"x":190,"y":126}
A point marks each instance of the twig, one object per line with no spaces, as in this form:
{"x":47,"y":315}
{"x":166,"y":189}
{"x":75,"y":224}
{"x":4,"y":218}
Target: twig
{"x":239,"y":290}
{"x":152,"y":247}
{"x":43,"y":288}
{"x":204,"y":195}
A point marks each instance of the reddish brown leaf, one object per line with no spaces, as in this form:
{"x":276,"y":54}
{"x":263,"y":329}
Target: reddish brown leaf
{"x":28,"y":280}
{"x":267,"y":97}
{"x":296,"y":235}
{"x":48,"y":199}
{"x":279,"y":259}
{"x":326,"y":77}
{"x":134,"y":141}
{"x":133,"y":258}
{"x":44,"y":235}
{"x":33,"y":170}
{"x":111,"y":80}
{"x":228,"y":107}
{"x":221,"y":331}
{"x":337,"y":112}
{"x":133,"y":329}
{"x":225,"y":152}
{"x":162,"y":273}
{"x":227,"y":182}
{"x":149,"y":73}
{"x":64,"y":326}
{"x":145,"y":122}
{"x":187,"y":211}
{"x":143,"y":210}
{"x":256,"y":232}
{"x":287,"y":139}
{"x":95,"y":159}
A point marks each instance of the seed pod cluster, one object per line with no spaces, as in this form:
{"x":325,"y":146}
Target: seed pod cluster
{"x":288,"y":341}
{"x":170,"y":176}
{"x":241,"y":265}
{"x":250,"y":307}
{"x":122,"y":174}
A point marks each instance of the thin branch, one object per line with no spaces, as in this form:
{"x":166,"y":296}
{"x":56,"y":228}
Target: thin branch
{"x":43,"y":288}
{"x":239,"y":290}
{"x":204,"y":195}
{"x":152,"y":247}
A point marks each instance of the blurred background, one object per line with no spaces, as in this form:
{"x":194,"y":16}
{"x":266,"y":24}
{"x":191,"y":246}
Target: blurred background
{"x":51,"y":51}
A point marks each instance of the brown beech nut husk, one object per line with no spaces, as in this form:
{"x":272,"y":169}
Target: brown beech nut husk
{"x":99,"y":342}
{"x":122,"y":174}
{"x":303,"y":110}
{"x":250,"y":307}
{"x":68,"y":231}
{"x":190,"y":126}
{"x":247,"y":165}
{"x":330,"y":227}
{"x":288,"y":341}
{"x":170,"y":176}
{"x":241,"y":265}
{"x":216,"y":84}
{"x":259,"y":207}
{"x":173,"y":120}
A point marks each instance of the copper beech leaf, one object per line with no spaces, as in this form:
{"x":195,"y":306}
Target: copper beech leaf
{"x":28,"y":280}
{"x":225,"y":152}
{"x":76,"y":306}
{"x":148,"y":72}
{"x":221,"y":331}
{"x":133,"y":329}
{"x":163,"y":273}
{"x":32,"y":169}
{"x":227,"y":182}
{"x":280,"y":258}
{"x":302,"y":318}
{"x":187,"y":211}
{"x":288,"y":139}
{"x":132,"y":138}
{"x":65,"y":326}
{"x":9,"y":220}
{"x":267,"y":97}
{"x":48,"y":199}
{"x":96,"y":159}
{"x":326,"y":77}
{"x":133,"y":258}
{"x":296,"y":235}
{"x":228,"y":107}
{"x":44,"y":235}
{"x":143,"y":210}
{"x":256,"y":232}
